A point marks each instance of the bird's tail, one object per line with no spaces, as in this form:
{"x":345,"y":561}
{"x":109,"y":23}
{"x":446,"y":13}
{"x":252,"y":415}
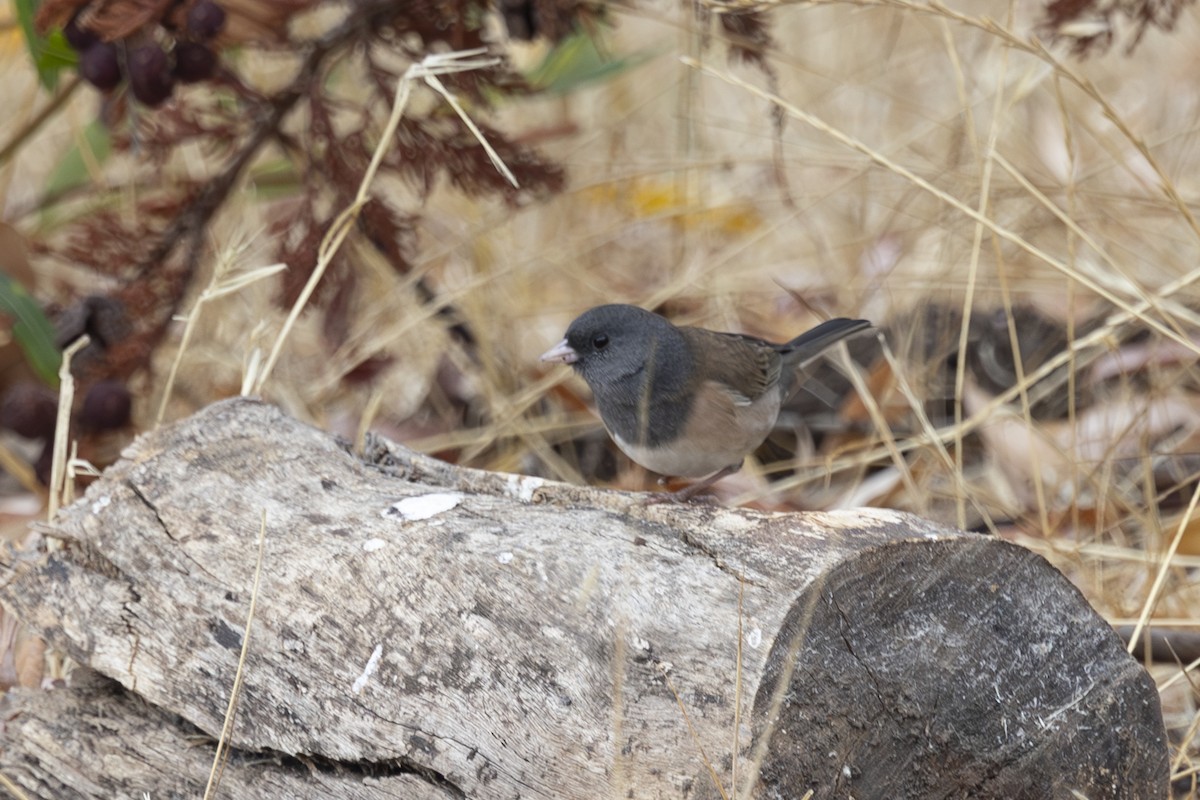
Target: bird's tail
{"x":810,"y":344}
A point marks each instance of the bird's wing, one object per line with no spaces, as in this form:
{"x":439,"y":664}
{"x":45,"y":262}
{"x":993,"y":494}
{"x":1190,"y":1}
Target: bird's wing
{"x":747,"y":366}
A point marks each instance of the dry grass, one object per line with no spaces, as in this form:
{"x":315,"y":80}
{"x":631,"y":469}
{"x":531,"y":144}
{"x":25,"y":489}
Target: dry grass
{"x":934,"y":166}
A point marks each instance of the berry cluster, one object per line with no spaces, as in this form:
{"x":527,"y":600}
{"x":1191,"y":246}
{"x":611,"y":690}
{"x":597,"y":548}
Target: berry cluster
{"x":150,"y":70}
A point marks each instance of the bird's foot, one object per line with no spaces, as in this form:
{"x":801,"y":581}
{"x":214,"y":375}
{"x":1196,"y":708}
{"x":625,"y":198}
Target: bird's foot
{"x":681,"y":496}
{"x":691,"y":494}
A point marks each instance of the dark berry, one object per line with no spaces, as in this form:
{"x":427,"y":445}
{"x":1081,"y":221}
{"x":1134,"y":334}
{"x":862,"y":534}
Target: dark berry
{"x":99,"y":66}
{"x":205,"y":19}
{"x":150,"y":76}
{"x":29,"y":410}
{"x":44,"y":463}
{"x":99,"y":316}
{"x":79,"y":37}
{"x":107,"y":406}
{"x":520,"y":17}
{"x":194,"y":61}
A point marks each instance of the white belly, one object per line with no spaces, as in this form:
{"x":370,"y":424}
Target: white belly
{"x":704,"y":449}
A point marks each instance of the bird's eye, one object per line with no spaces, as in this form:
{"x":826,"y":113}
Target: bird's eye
{"x":600,"y":341}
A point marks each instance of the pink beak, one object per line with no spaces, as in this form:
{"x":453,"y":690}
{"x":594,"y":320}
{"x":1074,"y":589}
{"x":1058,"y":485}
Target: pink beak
{"x":562,"y":352}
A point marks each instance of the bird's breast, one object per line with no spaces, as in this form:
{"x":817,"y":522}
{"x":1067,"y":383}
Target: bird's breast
{"x":719,"y":430}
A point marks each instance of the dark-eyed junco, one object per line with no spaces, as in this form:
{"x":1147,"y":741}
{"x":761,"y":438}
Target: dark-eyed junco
{"x":687,"y":402}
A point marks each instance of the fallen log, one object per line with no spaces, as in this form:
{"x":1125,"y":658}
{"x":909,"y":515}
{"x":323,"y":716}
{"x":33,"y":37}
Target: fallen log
{"x":423,"y":630}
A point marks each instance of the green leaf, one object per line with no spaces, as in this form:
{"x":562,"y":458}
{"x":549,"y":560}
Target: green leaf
{"x":50,"y":54}
{"x":274,"y":178}
{"x":72,"y":171}
{"x":31,"y":329}
{"x":576,"y":61}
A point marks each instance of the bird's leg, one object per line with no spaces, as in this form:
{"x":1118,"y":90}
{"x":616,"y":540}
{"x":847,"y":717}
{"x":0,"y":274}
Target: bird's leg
{"x":688,"y":493}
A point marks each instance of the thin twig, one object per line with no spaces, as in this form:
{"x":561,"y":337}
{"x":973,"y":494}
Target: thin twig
{"x":34,"y":125}
{"x":712,"y":771}
{"x":218,"y":286}
{"x":12,"y":788}
{"x":20,"y":469}
{"x":620,"y":765}
{"x":222,"y":752}
{"x":783,"y":683}
{"x":737,"y":691}
{"x":1161,"y":577}
{"x":62,"y":426}
{"x":968,"y":304}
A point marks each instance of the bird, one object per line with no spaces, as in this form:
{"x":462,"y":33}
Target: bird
{"x":684,"y":401}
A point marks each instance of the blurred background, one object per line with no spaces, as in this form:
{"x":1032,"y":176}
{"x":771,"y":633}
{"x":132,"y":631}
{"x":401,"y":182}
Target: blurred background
{"x":211,"y":192}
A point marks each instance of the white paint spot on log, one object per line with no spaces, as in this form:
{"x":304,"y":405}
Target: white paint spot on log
{"x":423,"y":506}
{"x":368,"y":670}
{"x":505,"y":558}
{"x":371,"y":545}
{"x":101,"y":502}
{"x":522,"y":487}
{"x":733,"y":523}
{"x":754,"y":638}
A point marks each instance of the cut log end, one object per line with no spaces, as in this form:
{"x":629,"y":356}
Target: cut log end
{"x":962,"y":668}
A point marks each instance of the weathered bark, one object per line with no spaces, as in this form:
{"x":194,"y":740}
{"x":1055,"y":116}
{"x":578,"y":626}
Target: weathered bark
{"x":538,"y":640}
{"x":97,"y":740}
